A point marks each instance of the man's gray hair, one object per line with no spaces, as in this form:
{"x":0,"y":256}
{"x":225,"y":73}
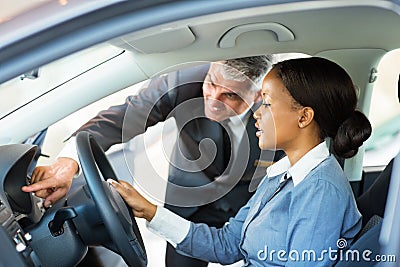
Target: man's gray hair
{"x":253,"y":68}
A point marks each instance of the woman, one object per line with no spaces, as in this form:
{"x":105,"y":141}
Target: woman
{"x":304,"y":209}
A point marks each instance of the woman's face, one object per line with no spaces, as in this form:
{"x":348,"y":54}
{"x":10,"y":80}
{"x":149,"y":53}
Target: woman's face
{"x":277,"y":118}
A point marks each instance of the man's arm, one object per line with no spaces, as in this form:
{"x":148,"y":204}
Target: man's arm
{"x":115,"y":125}
{"x":120,"y":123}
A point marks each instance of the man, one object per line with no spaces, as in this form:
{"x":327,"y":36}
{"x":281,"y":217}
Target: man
{"x":208,"y":177}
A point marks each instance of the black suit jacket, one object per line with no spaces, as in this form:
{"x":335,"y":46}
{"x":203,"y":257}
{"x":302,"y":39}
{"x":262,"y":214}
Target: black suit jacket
{"x":196,"y":173}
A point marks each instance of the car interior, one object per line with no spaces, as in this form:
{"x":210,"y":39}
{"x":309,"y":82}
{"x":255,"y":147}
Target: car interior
{"x":62,"y":66}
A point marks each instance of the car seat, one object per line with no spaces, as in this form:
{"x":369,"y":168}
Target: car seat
{"x":372,"y":205}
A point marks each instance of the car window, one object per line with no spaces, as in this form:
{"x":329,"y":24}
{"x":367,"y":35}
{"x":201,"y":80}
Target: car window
{"x":384,"y":142}
{"x":61,"y":130}
{"x":30,"y":85}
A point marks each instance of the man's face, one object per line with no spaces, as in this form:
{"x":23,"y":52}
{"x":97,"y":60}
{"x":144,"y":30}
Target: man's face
{"x":226,"y":98}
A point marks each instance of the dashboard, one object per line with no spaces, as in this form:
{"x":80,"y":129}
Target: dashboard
{"x":17,"y":209}
{"x":58,"y":236}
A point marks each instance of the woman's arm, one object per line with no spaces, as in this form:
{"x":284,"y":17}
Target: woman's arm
{"x":195,"y":240}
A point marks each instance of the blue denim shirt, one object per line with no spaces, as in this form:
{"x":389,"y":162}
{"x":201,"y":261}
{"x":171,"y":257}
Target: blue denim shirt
{"x":301,"y":226}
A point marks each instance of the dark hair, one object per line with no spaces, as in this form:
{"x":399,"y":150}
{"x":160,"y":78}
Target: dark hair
{"x":327,"y":88}
{"x":254,"y":68}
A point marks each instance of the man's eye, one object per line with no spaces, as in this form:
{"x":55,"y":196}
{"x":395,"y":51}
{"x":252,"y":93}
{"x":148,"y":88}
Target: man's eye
{"x":266,"y":104}
{"x":209,"y":81}
{"x":231,"y":95}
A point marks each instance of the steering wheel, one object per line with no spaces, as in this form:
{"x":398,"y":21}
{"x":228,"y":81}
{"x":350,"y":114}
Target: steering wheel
{"x":116,"y":215}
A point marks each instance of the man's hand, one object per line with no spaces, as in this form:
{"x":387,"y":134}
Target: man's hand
{"x":141,"y":207}
{"x":53,"y":182}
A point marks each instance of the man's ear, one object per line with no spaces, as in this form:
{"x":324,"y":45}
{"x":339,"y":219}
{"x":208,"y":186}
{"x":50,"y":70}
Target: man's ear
{"x":306,"y":116}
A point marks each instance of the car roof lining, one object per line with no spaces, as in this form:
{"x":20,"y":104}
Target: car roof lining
{"x":211,"y":27}
{"x":374,"y":27}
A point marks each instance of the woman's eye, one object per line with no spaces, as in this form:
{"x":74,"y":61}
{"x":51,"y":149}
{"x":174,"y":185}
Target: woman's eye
{"x":266,"y":104}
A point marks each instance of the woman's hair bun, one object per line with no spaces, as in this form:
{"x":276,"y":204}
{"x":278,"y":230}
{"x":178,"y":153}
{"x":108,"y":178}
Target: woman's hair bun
{"x":351,"y":135}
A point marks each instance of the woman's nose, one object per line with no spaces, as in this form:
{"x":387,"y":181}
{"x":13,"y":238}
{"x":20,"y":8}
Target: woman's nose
{"x":256,"y":114}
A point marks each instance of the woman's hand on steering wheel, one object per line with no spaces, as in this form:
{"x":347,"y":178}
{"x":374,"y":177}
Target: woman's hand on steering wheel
{"x":141,"y":207}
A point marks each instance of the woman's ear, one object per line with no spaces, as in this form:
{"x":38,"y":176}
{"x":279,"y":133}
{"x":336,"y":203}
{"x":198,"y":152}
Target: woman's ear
{"x":306,"y":115}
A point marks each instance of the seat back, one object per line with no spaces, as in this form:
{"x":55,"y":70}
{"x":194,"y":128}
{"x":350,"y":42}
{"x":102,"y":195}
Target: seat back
{"x":373,"y":201}
{"x":367,"y":240}
{"x":377,"y":202}
{"x":390,"y":234}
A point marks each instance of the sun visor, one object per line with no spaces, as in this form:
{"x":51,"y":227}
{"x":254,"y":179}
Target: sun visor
{"x":170,"y":38}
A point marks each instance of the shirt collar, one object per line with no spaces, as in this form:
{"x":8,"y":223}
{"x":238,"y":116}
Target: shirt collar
{"x":302,"y":167}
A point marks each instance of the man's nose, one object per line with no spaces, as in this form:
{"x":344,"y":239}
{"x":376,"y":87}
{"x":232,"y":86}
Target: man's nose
{"x":216,"y":102}
{"x":216,"y":95}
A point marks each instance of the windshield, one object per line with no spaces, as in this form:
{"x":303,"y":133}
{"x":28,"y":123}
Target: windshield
{"x":27,"y":87}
